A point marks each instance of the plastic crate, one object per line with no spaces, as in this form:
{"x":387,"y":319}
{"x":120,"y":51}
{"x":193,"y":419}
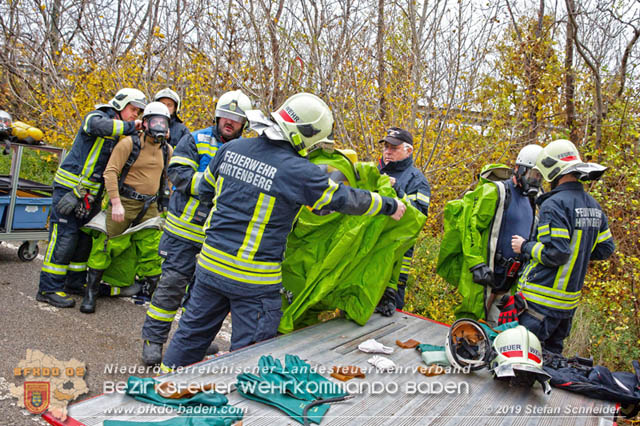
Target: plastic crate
{"x":4,"y":202}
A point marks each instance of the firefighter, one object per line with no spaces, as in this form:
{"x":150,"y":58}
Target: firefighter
{"x":256,"y":187}
{"x":183,"y":234}
{"x":134,"y":179}
{"x":78,"y":186}
{"x":397,"y":162}
{"x":572,"y":230}
{"x":476,"y":255}
{"x":176,"y":127}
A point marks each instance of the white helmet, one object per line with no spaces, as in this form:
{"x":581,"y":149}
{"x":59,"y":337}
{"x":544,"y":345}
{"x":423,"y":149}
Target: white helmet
{"x":234,"y":106}
{"x":169,"y":94}
{"x":467,"y":344}
{"x":156,"y":116}
{"x":561,"y":157}
{"x":518,"y":358}
{"x":5,"y":121}
{"x":528,"y":155}
{"x":127,"y":96}
{"x":306,"y":121}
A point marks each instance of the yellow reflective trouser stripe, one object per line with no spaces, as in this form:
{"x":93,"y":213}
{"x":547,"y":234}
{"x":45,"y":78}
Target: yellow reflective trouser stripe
{"x":255,"y":229}
{"x":77,"y":267}
{"x":237,"y":274}
{"x":238,"y":262}
{"x":92,"y":159}
{"x":160,"y":314}
{"x":376,"y":204}
{"x":179,"y":221}
{"x":560,"y":233}
{"x":185,"y":161}
{"x":326,"y":196}
{"x":49,"y":267}
{"x":543,"y":230}
{"x":209,"y":177}
{"x":564,"y":272}
{"x":165,"y":369}
{"x":118,"y":128}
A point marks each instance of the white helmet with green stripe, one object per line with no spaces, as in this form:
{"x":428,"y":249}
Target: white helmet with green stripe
{"x":306,"y":121}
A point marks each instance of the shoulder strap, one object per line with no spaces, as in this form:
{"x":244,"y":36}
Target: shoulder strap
{"x":133,"y":156}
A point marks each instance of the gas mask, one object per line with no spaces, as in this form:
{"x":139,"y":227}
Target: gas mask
{"x":158,"y":128}
{"x":530,"y":181}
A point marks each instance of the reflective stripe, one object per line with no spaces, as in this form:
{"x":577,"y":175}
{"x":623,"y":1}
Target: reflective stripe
{"x":195,"y":182}
{"x":560,"y":233}
{"x":551,"y":292}
{"x":165,"y":369}
{"x":550,"y":302}
{"x":206,"y":148}
{"x":70,"y":180}
{"x":92,"y":158}
{"x":326,"y":196}
{"x":189,"y":210}
{"x":424,"y":198}
{"x":48,"y":266}
{"x":160,"y":314}
{"x":603,"y":236}
{"x":536,"y":251}
{"x":118,"y":128}
{"x":238,"y":262}
{"x":114,"y":291}
{"x":412,"y":197}
{"x":255,"y":230}
{"x":179,"y":221}
{"x":404,"y":270}
{"x":376,"y":204}
{"x":563,"y":275}
{"x":238,"y":274}
{"x":77,"y":267}
{"x":209,"y":177}
{"x":543,"y":230}
{"x":86,"y":122}
{"x":183,"y":233}
{"x":185,"y":161}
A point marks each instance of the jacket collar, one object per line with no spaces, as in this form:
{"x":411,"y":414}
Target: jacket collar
{"x":567,"y":186}
{"x":396,"y":165}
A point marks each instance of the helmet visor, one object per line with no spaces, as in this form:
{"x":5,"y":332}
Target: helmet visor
{"x":237,"y":117}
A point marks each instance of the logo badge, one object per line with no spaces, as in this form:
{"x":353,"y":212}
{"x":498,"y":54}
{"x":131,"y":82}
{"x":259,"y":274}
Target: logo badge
{"x":36,"y":396}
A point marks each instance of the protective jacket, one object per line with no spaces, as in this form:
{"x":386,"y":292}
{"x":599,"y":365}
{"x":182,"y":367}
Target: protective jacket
{"x":471,"y":231}
{"x":410,"y":182}
{"x":91,"y":148}
{"x":176,"y":130}
{"x":259,"y":186}
{"x":190,"y":158}
{"x":572,"y":230}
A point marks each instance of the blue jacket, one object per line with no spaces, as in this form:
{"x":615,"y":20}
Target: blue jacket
{"x":257,"y":187}
{"x":177,"y":130}
{"x":572,"y":230}
{"x":91,"y":148}
{"x":192,"y":155}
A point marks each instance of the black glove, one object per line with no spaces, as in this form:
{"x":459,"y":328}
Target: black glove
{"x":482,"y":274}
{"x":387,"y":305}
{"x":84,"y":207}
{"x":67,"y":203}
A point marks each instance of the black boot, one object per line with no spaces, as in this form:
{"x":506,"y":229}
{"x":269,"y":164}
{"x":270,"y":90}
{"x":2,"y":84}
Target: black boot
{"x":94,"y":276}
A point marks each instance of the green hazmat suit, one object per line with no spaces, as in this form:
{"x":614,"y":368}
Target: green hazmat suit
{"x":130,"y":254}
{"x":335,"y":261}
{"x":465,"y":243}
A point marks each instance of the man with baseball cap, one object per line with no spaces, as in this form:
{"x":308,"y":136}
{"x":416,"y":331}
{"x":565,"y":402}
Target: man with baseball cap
{"x":397,"y":163}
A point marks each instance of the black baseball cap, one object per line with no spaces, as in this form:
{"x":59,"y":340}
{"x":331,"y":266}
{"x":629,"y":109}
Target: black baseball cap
{"x":397,"y":136}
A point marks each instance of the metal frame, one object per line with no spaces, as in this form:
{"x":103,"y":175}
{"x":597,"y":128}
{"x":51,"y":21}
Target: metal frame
{"x":30,"y":236}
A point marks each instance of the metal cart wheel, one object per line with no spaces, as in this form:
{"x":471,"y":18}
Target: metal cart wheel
{"x":25,"y":254}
